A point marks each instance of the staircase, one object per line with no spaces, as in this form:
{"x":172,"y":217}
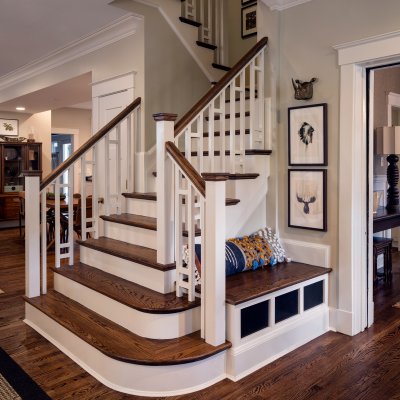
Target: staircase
{"x":125,"y":306}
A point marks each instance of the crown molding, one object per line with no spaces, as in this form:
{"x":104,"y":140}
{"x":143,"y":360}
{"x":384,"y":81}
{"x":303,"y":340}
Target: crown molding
{"x":119,"y":29}
{"x":280,"y":5}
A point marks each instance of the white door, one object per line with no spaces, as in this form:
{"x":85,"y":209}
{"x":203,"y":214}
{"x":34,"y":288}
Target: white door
{"x":106,"y":106}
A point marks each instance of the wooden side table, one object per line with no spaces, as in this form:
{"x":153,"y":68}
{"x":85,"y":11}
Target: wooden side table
{"x":383,"y":246}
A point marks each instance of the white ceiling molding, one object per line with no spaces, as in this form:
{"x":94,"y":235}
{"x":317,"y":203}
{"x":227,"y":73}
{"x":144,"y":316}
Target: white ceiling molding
{"x":280,"y":5}
{"x":119,"y":29}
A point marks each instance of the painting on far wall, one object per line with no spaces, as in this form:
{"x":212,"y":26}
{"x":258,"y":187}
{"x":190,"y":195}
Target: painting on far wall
{"x":8,"y":127}
{"x":249,"y":21}
{"x":307,"y":199}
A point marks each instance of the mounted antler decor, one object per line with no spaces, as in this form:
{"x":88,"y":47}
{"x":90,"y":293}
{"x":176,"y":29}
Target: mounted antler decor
{"x":303,"y":90}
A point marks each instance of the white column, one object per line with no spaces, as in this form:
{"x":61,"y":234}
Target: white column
{"x":164,"y":189}
{"x":213,"y":293}
{"x":32,"y":233}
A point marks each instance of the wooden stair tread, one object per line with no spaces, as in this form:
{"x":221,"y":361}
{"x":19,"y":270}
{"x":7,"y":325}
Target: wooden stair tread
{"x":217,"y":117}
{"x":140,"y":221}
{"x":220,"y":66}
{"x":227,"y":133}
{"x":252,"y":284}
{"x":248,"y":152}
{"x":190,"y":21}
{"x":243,"y":176}
{"x":206,"y":45}
{"x":153,"y":197}
{"x":129,"y":293}
{"x":117,"y":342}
{"x":131,"y":252}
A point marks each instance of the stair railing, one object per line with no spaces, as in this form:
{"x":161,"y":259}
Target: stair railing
{"x":243,"y":83}
{"x":50,"y":223}
{"x":209,"y":13}
{"x":191,"y":209}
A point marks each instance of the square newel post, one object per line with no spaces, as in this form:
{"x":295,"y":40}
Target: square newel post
{"x":32,"y":233}
{"x":214,"y":266}
{"x":164,"y":189}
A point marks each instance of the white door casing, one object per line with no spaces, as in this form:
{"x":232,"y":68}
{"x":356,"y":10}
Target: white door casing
{"x":354,"y":58}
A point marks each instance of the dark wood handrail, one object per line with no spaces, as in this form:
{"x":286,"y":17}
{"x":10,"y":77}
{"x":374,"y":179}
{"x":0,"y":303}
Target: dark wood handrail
{"x":214,"y":91}
{"x":89,"y":143}
{"x":186,"y":167}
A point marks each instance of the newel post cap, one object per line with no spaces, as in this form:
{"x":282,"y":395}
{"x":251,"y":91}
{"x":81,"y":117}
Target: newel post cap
{"x":165,"y":117}
{"x":32,"y":173}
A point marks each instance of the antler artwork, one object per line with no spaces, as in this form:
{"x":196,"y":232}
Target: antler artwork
{"x":306,"y":201}
{"x":303,"y":90}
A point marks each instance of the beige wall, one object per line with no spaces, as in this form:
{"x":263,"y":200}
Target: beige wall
{"x":173,"y":80}
{"x":305,"y":35}
{"x":237,"y":46}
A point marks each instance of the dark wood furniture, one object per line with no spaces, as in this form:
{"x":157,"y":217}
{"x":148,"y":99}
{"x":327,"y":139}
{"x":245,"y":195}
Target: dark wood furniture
{"x":384,"y":219}
{"x":383,"y":246}
{"x":15,"y":158}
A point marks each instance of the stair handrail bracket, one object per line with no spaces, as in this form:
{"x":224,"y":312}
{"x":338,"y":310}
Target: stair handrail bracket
{"x":221,"y":115}
{"x":191,"y":210}
{"x":52,"y":209}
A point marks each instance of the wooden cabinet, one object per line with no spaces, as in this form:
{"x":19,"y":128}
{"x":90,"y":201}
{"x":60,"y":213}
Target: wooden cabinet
{"x":16,"y":158}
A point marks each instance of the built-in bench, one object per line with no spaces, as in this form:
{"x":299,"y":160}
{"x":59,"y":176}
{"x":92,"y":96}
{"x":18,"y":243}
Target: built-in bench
{"x":272,"y":311}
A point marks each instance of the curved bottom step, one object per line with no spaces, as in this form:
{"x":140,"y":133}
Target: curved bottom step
{"x":121,"y":360}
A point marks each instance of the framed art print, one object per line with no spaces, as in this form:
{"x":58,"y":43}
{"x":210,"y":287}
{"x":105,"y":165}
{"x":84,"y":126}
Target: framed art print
{"x":247,"y":2}
{"x":307,"y":199}
{"x":8,"y":127}
{"x":307,"y":126}
{"x":249,"y":21}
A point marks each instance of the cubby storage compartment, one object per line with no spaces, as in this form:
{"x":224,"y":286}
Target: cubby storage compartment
{"x":286,"y":306}
{"x":313,"y":295}
{"x":254,"y":318}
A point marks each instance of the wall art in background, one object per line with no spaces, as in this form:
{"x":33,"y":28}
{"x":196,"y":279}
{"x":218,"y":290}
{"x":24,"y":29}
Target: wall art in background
{"x":8,"y":127}
{"x":307,"y":199}
{"x":308,"y":136}
{"x":249,"y":21}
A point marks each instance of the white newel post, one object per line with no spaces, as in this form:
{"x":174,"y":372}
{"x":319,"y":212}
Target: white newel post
{"x":214,"y":266}
{"x":164,"y":189}
{"x":32,"y":233}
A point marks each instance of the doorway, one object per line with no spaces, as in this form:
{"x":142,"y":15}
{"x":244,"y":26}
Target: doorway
{"x":62,"y":146}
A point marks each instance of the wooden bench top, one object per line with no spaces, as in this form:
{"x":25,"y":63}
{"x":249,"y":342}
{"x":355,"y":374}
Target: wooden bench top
{"x":249,"y":285}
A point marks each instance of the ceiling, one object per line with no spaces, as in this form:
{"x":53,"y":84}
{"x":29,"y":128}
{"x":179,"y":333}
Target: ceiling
{"x":32,"y":29}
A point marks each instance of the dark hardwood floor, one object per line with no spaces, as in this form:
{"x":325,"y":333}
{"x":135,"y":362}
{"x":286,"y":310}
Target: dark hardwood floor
{"x":333,"y":366}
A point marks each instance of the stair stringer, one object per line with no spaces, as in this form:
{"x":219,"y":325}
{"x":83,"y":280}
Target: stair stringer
{"x":188,"y":35}
{"x":251,"y":213}
{"x":135,"y":379}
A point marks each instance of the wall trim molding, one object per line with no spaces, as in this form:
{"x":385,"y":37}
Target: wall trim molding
{"x":119,"y":29}
{"x":280,"y":5}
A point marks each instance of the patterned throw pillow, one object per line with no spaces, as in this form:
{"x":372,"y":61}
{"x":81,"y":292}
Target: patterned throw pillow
{"x":274,"y":242}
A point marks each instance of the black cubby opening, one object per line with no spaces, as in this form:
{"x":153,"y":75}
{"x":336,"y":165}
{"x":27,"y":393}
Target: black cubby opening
{"x":286,"y":306}
{"x":313,"y":295}
{"x":254,"y":318}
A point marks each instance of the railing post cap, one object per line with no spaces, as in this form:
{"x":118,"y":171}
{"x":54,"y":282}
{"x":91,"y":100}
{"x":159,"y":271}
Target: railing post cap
{"x":215,"y":176}
{"x":165,"y":117}
{"x":32,"y":173}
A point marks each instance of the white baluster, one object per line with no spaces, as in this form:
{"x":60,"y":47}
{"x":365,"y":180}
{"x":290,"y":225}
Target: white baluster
{"x":211,"y":131}
{"x":130,"y":154}
{"x":70,"y":243}
{"x":107,"y":175}
{"x":83,"y":198}
{"x":232,"y":145}
{"x":242,"y":119}
{"x":118,"y":169}
{"x":43,"y":239}
{"x":200,"y":130}
{"x":32,"y":234}
{"x":95,"y":188}
{"x":252,"y":107}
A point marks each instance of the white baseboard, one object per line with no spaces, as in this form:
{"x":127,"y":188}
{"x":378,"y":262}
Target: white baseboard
{"x":344,"y":321}
{"x":308,"y":253}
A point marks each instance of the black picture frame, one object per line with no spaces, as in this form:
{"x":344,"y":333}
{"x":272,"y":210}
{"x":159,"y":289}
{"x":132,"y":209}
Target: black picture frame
{"x":9,"y":127}
{"x":307,"y":199}
{"x":308,"y":135}
{"x":248,"y":2}
{"x":249,"y":21}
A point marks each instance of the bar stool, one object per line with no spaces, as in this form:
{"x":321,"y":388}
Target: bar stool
{"x":383,"y":246}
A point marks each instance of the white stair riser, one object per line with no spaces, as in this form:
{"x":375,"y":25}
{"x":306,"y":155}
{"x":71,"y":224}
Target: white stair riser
{"x":218,"y":143}
{"x":153,"y":326}
{"x":148,"y":208}
{"x":131,"y":234}
{"x":162,"y":282}
{"x":140,"y":380}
